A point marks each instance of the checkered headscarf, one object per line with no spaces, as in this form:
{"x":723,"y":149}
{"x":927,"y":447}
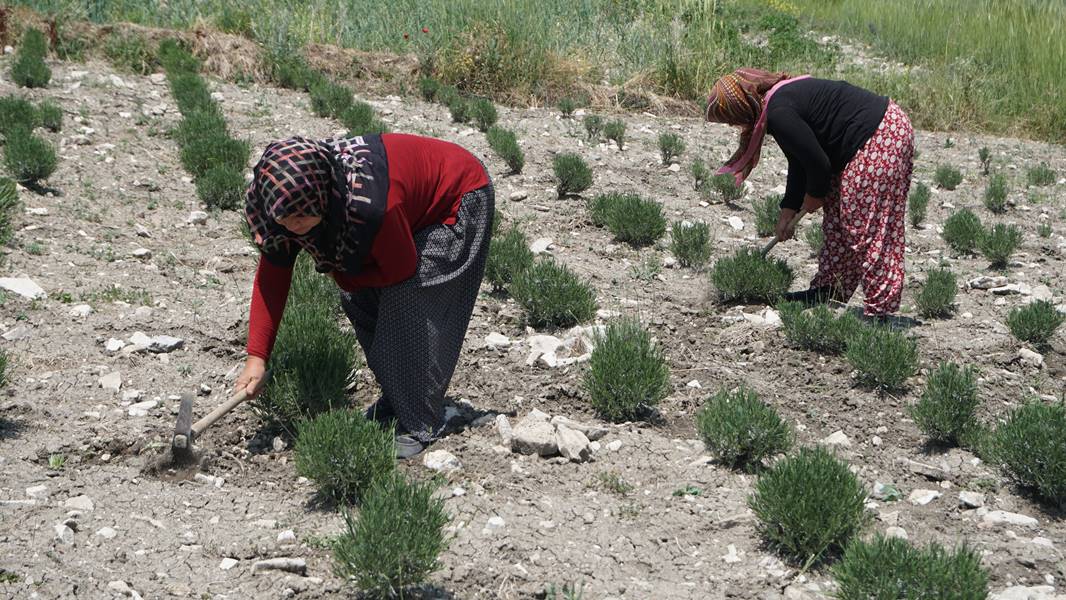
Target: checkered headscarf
{"x":737,"y":99}
{"x":344,"y":181}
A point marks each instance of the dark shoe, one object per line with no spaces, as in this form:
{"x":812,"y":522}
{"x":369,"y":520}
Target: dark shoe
{"x":814,"y":296}
{"x":381,"y":412}
{"x":407,"y":446}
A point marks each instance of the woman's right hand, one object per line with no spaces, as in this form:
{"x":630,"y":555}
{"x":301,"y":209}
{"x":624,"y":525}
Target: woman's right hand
{"x":254,"y":371}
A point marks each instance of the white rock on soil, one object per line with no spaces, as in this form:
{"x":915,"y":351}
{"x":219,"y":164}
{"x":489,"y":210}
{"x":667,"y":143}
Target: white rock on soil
{"x":141,"y":409}
{"x":23,"y":286}
{"x":81,"y":310}
{"x":519,"y":195}
{"x":669,"y":262}
{"x":289,"y":565}
{"x":534,"y":435}
{"x":1002,"y":517}
{"x":923,"y":497}
{"x":112,"y":381}
{"x":694,"y":384}
{"x":1043,"y":541}
{"x":1042,"y":292}
{"x":210,"y":479}
{"x":37,"y":492}
{"x":494,"y":525}
{"x":592,"y":431}
{"x":731,"y":555}
{"x":114,"y":345}
{"x":540,"y":245}
{"x":572,"y":444}
{"x":969,"y":499}
{"x":614,"y":445}
{"x":107,"y":533}
{"x":987,"y":282}
{"x":837,"y":438}
{"x":503,"y":427}
{"x":142,"y":253}
{"x":287,"y":537}
{"x":497,"y":340}
{"x":18,"y":333}
{"x":896,"y":532}
{"x":1007,"y":290}
{"x":930,"y":471}
{"x":736,"y":223}
{"x":37,"y":211}
{"x":163,"y":344}
{"x":82,"y":503}
{"x":1018,"y":592}
{"x":1030,"y":358}
{"x":441,"y":460}
{"x":227,"y":563}
{"x":132,"y":395}
{"x":63,"y":534}
{"x":197,"y":217}
{"x":139,"y":338}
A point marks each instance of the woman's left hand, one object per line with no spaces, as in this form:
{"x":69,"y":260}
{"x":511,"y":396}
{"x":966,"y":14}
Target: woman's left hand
{"x":812,"y":204}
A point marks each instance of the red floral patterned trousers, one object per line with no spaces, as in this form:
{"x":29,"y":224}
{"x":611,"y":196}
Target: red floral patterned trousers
{"x":864,"y":218}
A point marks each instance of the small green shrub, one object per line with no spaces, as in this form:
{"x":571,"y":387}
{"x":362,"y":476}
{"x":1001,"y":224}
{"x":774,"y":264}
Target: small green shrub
{"x":627,"y":373}
{"x":175,"y":58}
{"x":190,"y":92}
{"x":484,"y":114}
{"x":217,"y":151}
{"x":690,"y":243}
{"x":809,"y":506}
{"x":131,"y":53}
{"x":815,"y":237}
{"x":766,"y":212}
{"x":17,"y":114}
{"x":505,"y":144}
{"x":329,"y":99}
{"x":600,"y":207}
{"x":918,"y":204}
{"x":28,"y":68}
{"x":1035,"y":322}
{"x":428,"y":88}
{"x":883,"y":358}
{"x":573,"y":174}
{"x":999,"y":243}
{"x":635,"y":220}
{"x":460,"y":109}
{"x":1044,"y":230}
{"x":358,"y":117}
{"x":937,"y":296}
{"x":996,"y":194}
{"x":9,"y":203}
{"x":1041,"y":175}
{"x":615,"y":131}
{"x":671,"y":146}
{"x":1030,"y":447}
{"x":889,"y":567}
{"x":28,"y":158}
{"x":552,"y":295}
{"x":962,"y":231}
{"x":290,"y":70}
{"x":947,"y":409}
{"x":947,"y":177}
{"x":446,"y":94}
{"x":198,"y":127}
{"x":700,"y":173}
{"x":50,"y":116}
{"x":395,"y":540}
{"x":817,"y":329}
{"x":509,"y":254}
{"x":748,"y":276}
{"x":593,"y":126}
{"x":986,"y":160}
{"x":726,"y":188}
{"x":742,"y":431}
{"x":344,"y":453}
{"x":221,"y":188}
{"x":567,"y":106}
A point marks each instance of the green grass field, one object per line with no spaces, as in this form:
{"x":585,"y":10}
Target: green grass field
{"x":987,"y":65}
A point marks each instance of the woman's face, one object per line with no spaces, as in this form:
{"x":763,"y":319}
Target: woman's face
{"x":299,"y":224}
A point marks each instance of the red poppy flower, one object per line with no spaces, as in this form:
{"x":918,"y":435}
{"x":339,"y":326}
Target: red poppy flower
{"x":405,"y":36}
{"x":425,"y":30}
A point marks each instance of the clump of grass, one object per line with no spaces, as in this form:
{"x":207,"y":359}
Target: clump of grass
{"x":615,"y":131}
{"x":9,"y":203}
{"x":484,"y":114}
{"x":627,"y":373}
{"x":28,"y":158}
{"x":358,"y":117}
{"x":671,"y":146}
{"x":50,"y":116}
{"x":817,"y":329}
{"x":344,"y":453}
{"x":600,"y":207}
{"x":1029,"y":446}
{"x":215,"y":152}
{"x":917,"y":204}
{"x":221,"y":188}
{"x":28,"y":68}
{"x":701,"y":174}
{"x":809,"y":506}
{"x":329,"y":99}
{"x":946,"y":412}
{"x":593,"y":126}
{"x":428,"y":88}
{"x":947,"y":177}
{"x":567,"y":106}
{"x":883,"y":358}
{"x":1044,"y":230}
{"x":131,"y":53}
{"x":190,"y":92}
{"x":725,"y":188}
{"x":509,"y":255}
{"x":573,"y":174}
{"x":17,"y":114}
{"x":552,"y":295}
{"x":742,"y":431}
{"x":985,"y":156}
{"x":748,"y":276}
{"x":690,"y":243}
{"x":1035,"y":322}
{"x":460,"y":109}
{"x":962,"y":231}
{"x":937,"y":296}
{"x":766,"y":211}
{"x":815,"y":238}
{"x":996,"y":194}
{"x":395,"y":540}
{"x":999,"y":242}
{"x":505,"y":144}
{"x":176,"y":58}
{"x":889,"y":567}
{"x":1041,"y":175}
{"x":636,"y":221}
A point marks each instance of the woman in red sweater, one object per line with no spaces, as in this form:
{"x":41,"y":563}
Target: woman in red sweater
{"x":402,"y":224}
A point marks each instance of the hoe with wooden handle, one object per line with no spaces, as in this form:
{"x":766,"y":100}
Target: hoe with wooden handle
{"x":792,"y":225}
{"x":186,"y":432}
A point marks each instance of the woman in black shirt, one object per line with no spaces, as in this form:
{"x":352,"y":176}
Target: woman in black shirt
{"x":850,"y":152}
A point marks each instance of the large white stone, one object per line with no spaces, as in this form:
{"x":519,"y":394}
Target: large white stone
{"x":82,"y":503}
{"x":1002,"y":517}
{"x":968,"y":499}
{"x":592,"y":431}
{"x":23,"y":286}
{"x":497,"y":340}
{"x":503,"y":427}
{"x":923,"y":497}
{"x":112,"y":381}
{"x":572,"y":444}
{"x":141,"y":409}
{"x":534,"y":435}
{"x":736,"y":223}
{"x":441,"y":460}
{"x":837,"y":438}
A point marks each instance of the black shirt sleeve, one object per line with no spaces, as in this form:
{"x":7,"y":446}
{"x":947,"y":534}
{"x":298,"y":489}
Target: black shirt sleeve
{"x":795,"y":186}
{"x":801,"y":147}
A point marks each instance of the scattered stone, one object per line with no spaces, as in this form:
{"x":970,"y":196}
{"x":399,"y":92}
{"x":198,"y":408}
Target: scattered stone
{"x":1030,"y":358}
{"x":534,"y":435}
{"x":837,"y":438}
{"x":503,"y":427}
{"x":132,"y":395}
{"x":287,"y":537}
{"x":736,"y":223}
{"x":605,"y":314}
{"x":265,"y":523}
{"x":123,"y":589}
{"x":163,"y":344}
{"x":971,"y":499}
{"x":896,"y":532}
{"x":923,"y":497}
{"x":1019,"y":592}
{"x":1002,"y":517}
{"x":694,"y":384}
{"x":497,"y":340}
{"x":669,"y":262}
{"x":278,"y":444}
{"x":934,"y":473}
{"x":572,"y":444}
{"x":614,"y":445}
{"x":142,"y":253}
{"x":876,"y":440}
{"x":141,"y":409}
{"x":64,"y":534}
{"x":1006,"y":290}
{"x":1042,"y":292}
{"x":674,"y":167}
{"x":591,"y":431}
{"x":227,"y":563}
{"x":117,"y":81}
{"x":82,"y":503}
{"x":493,"y":525}
{"x":197,"y":217}
{"x":731,"y":556}
{"x":114,"y":345}
{"x":987,"y":282}
{"x":540,"y":245}
{"x":518,"y":196}
{"x":18,"y":333}
{"x":218,"y":482}
{"x":289,"y":565}
{"x":23,"y":286}
{"x":1043,"y":541}
{"x":441,"y":460}
{"x":37,"y":492}
{"x":140,"y":339}
{"x":142,"y":231}
{"x":81,"y":310}
{"x":107,"y":533}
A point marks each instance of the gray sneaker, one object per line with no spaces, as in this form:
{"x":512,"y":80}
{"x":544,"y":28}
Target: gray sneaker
{"x":407,"y":446}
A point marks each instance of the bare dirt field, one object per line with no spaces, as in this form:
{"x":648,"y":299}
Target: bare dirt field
{"x":679,"y":529}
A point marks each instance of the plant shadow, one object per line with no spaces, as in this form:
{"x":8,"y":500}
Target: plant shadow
{"x":10,"y":429}
{"x":41,"y":190}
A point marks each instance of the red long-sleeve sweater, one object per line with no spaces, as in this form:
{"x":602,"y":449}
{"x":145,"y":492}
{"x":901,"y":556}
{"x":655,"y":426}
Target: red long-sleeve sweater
{"x":427,"y":180}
